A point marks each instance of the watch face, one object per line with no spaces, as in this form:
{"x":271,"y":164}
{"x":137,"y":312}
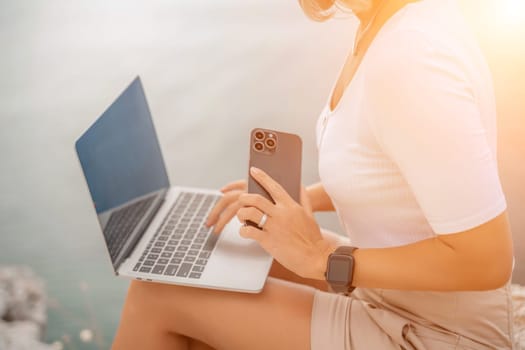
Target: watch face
{"x":338,"y":269}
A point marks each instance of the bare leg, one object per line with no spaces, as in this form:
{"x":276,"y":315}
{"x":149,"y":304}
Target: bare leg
{"x":157,"y":314}
{"x":160,"y":316}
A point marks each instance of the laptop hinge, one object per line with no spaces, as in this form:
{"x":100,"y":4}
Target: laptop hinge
{"x":140,"y":230}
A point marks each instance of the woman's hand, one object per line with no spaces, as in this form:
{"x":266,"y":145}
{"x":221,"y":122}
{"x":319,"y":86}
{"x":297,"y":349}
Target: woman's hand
{"x":290,"y":234}
{"x":227,"y":207}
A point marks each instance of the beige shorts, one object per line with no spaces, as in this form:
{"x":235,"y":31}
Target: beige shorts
{"x":387,"y":319}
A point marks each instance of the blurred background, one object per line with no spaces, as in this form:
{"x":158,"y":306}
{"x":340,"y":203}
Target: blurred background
{"x":212,"y":71}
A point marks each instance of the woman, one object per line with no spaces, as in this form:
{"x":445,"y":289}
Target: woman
{"x":407,"y":158}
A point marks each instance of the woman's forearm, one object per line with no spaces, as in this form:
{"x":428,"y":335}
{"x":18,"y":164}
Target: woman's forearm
{"x":477,"y":259}
{"x":319,"y":198}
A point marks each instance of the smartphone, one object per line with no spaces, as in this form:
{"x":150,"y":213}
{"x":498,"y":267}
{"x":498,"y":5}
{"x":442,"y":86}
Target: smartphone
{"x":279,"y":154}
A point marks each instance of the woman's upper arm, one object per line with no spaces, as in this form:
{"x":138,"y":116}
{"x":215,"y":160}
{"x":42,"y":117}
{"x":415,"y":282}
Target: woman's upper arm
{"x":422,"y":108}
{"x":423,"y":111}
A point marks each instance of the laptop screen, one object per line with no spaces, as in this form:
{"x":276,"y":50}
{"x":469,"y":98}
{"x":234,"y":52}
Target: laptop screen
{"x":120,"y":154}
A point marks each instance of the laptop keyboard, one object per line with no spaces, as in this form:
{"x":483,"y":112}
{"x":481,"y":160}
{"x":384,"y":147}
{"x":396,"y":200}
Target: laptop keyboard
{"x":183,"y":244}
{"x":121,"y":224}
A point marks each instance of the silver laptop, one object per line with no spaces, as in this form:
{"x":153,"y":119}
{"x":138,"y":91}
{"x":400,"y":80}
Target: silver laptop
{"x":152,"y":231}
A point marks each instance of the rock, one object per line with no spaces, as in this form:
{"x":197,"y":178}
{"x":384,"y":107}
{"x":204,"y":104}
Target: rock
{"x":21,"y":335}
{"x":22,"y":310}
{"x":26,"y":295}
{"x":3,"y":302}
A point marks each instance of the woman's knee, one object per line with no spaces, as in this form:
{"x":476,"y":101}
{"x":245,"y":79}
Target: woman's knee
{"x":141,"y":292}
{"x":146,"y":300}
{"x":160,"y":302}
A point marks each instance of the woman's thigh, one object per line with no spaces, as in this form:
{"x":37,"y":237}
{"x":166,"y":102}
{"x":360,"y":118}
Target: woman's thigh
{"x":277,"y":318}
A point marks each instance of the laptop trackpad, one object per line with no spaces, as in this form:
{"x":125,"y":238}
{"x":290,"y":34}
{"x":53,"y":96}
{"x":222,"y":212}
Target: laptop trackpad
{"x":233,"y":246}
{"x":238,"y":261}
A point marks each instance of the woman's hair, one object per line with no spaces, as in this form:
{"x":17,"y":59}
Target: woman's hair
{"x":321,"y":10}
{"x":318,"y":10}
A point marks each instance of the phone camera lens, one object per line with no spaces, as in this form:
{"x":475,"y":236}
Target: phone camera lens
{"x":270,"y":143}
{"x":258,"y":146}
{"x":259,"y":135}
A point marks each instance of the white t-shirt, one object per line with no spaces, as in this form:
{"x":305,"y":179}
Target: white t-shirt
{"x":410,"y":150}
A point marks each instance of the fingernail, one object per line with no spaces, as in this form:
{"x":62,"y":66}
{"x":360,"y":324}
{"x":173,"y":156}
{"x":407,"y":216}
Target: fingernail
{"x":255,"y":170}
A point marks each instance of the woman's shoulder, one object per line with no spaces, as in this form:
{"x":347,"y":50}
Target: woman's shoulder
{"x":425,"y":39}
{"x":435,"y":26}
{"x":434,"y":18}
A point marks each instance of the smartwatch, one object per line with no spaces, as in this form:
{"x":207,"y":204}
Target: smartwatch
{"x":340,"y":270}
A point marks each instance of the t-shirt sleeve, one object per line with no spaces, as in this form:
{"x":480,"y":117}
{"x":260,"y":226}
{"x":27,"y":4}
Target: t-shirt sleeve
{"x":424,"y":114}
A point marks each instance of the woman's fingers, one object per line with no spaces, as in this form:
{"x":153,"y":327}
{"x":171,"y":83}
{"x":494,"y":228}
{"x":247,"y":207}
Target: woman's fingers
{"x":250,"y":213}
{"x":276,"y":191}
{"x":252,"y":232}
{"x":257,"y":201}
{"x":235,"y":185}
{"x":225,"y":217}
{"x":223,"y":203}
{"x":231,"y":192}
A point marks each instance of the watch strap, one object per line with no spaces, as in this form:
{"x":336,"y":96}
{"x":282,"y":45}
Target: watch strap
{"x":347,"y":250}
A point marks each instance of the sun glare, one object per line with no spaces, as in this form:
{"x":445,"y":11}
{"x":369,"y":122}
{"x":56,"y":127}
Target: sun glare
{"x":514,"y":12}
